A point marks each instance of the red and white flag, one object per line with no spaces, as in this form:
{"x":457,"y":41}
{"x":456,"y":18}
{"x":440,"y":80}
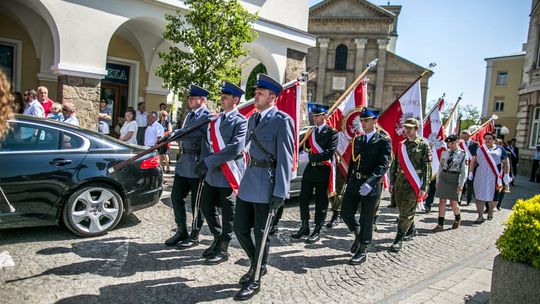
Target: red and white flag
{"x":489,"y":127}
{"x":288,"y":101}
{"x":346,"y":119}
{"x":409,"y":105}
{"x":434,"y":133}
{"x":452,"y":126}
{"x":316,"y":149}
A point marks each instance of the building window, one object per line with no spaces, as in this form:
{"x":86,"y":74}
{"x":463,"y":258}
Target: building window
{"x":502,"y":78}
{"x":498,"y":130}
{"x":535,"y":128}
{"x":499,"y":104}
{"x":341,"y":58}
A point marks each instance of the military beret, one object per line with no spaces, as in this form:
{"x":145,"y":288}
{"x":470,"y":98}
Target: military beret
{"x":451,"y":138}
{"x":411,"y":123}
{"x":266,"y":82}
{"x":230,"y":88}
{"x":197,"y":91}
{"x":369,"y":113}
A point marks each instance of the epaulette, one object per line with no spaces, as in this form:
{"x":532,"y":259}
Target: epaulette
{"x":282,"y":114}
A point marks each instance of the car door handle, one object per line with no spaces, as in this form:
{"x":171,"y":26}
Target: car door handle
{"x":60,"y":162}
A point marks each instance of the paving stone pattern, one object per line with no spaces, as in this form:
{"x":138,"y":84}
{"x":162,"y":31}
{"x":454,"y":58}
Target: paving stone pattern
{"x":132,"y":265}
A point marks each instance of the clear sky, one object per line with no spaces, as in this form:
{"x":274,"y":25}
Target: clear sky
{"x":458,"y":35}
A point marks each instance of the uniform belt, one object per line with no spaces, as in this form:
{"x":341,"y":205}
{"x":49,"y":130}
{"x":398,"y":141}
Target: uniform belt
{"x":191,"y":151}
{"x":359,"y":175}
{"x":417,"y":171}
{"x":318,"y":164}
{"x":451,"y":172}
{"x":261,"y":163}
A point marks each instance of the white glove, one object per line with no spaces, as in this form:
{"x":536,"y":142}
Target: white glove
{"x":471,"y":176}
{"x":421,"y":207}
{"x":365,"y":189}
{"x":506,"y":179}
{"x":303,"y":157}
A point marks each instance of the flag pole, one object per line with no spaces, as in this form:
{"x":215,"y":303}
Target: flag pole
{"x":492,"y":118}
{"x":426,"y":70}
{"x":343,"y":96}
{"x":434,"y":107}
{"x":447,"y":122}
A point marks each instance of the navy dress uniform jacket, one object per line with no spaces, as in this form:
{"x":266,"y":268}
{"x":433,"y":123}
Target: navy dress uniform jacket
{"x":375,"y":159}
{"x":327,"y":139}
{"x":196,"y":140}
{"x":275,"y":133}
{"x":233,"y":130}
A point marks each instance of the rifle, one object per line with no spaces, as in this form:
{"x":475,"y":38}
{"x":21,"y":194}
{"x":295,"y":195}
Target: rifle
{"x":175,"y":135}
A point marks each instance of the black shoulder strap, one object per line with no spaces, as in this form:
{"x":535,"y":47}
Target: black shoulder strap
{"x":258,"y":144}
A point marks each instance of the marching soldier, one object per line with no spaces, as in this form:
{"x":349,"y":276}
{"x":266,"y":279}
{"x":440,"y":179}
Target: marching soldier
{"x":225,"y":169}
{"x":318,"y":174}
{"x":266,"y":182}
{"x":370,"y":159}
{"x":409,"y":177}
{"x":189,"y":170}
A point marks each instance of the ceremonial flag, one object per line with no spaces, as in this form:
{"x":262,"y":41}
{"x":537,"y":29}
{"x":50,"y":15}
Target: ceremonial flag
{"x":434,"y":133}
{"x":452,"y":124}
{"x":487,"y":127}
{"x":408,"y":105}
{"x":346,"y":119}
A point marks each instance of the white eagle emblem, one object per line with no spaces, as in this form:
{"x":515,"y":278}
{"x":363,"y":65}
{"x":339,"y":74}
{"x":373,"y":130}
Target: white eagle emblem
{"x":400,"y":129}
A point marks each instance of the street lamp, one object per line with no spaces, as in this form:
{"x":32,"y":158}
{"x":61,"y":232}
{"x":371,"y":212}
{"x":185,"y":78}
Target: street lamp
{"x":504,"y":131}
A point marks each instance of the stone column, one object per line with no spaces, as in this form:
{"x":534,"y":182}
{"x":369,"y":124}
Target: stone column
{"x":323,"y":53}
{"x":381,"y":65}
{"x":84,"y":94}
{"x":359,"y":63}
{"x":296,"y":65}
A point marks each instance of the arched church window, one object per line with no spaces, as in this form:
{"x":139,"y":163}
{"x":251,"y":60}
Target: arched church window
{"x":341,"y":58}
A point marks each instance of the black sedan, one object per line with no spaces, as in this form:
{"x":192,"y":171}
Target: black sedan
{"x":51,"y":172}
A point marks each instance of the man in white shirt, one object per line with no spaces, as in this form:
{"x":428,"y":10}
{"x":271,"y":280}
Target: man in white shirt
{"x":33,"y":106}
{"x":154,"y":131}
{"x":142,"y":122}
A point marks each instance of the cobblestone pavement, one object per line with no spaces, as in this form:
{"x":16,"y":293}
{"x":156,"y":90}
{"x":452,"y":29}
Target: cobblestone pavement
{"x":132,"y":265}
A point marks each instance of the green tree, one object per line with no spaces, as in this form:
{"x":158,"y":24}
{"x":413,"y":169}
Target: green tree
{"x":206,"y":45}
{"x":252,"y":80}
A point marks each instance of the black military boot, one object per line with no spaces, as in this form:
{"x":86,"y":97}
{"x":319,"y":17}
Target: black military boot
{"x":248,"y":276}
{"x":249,"y":290}
{"x":398,"y":242}
{"x":334,"y":221}
{"x":208,"y":252}
{"x":375,"y":223}
{"x":356,"y":242}
{"x":191,"y":241}
{"x":221,"y":254}
{"x":316,"y":235}
{"x":180,"y":235}
{"x":303,"y":231}
{"x":411,"y":233}
{"x":360,"y":256}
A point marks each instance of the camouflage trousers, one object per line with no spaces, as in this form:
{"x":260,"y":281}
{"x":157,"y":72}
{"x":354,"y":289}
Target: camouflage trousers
{"x":406,"y":204}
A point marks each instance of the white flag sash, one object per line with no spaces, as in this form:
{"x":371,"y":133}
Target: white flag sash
{"x":230,"y":169}
{"x":466,"y":149}
{"x":410,"y":171}
{"x":316,"y":149}
{"x":493,"y":166}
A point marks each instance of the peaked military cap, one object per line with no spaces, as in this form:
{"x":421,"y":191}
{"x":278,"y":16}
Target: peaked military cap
{"x":230,"y":88}
{"x":318,"y":110}
{"x":266,"y":82}
{"x":369,"y":113}
{"x":451,"y":138}
{"x":197,"y":91}
{"x":411,"y":123}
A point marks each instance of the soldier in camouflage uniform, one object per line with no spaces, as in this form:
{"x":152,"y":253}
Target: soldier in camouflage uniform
{"x":406,"y":198}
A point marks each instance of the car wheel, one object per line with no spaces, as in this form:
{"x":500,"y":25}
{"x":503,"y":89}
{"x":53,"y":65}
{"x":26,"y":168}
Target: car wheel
{"x":93,"y":210}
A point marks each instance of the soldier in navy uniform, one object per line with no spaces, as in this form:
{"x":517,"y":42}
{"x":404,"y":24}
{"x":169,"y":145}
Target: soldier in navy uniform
{"x":266,"y":182}
{"x":189,"y":169}
{"x":217,"y":190}
{"x":317,"y":175}
{"x":370,"y":159}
